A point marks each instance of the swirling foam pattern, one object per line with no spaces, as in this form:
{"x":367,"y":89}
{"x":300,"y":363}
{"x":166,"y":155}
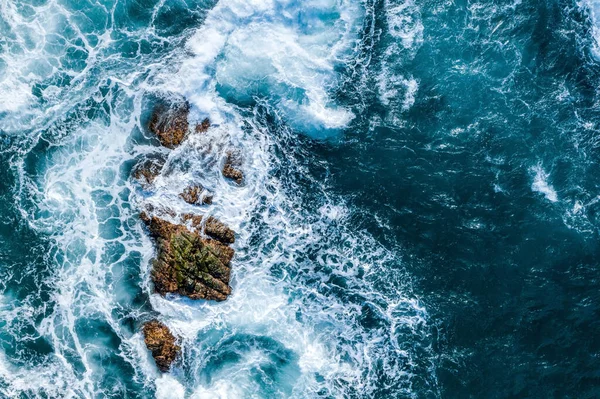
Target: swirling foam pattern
{"x":319,"y":309}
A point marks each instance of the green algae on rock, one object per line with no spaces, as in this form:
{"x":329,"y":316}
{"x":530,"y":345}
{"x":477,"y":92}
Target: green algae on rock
{"x":188,"y":264}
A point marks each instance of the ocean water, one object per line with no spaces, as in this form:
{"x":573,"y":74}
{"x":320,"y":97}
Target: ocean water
{"x":419,"y":217}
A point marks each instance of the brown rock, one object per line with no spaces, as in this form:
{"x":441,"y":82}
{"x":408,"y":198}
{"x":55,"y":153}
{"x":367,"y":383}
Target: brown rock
{"x":219,"y":231}
{"x":203,"y":126}
{"x":147,"y":170}
{"x":188,"y":264}
{"x":231,"y":168}
{"x":170,"y":123}
{"x":196,"y":220}
{"x":213,"y":228}
{"x":195,"y":194}
{"x":161,"y":343}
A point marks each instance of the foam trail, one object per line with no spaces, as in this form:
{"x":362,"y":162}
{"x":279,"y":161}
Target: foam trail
{"x":593,"y":9}
{"x":404,"y":33}
{"x":540,"y":184}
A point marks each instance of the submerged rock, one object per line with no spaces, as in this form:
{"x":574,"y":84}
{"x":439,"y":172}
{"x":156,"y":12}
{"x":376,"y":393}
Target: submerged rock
{"x":188,"y":264}
{"x":231,"y":168}
{"x":147,"y":170}
{"x":161,"y":343}
{"x":170,"y":123}
{"x":203,"y":126}
{"x":196,"y":195}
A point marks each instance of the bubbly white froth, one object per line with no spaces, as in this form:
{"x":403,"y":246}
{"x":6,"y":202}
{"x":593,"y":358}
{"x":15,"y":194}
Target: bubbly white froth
{"x":541,"y":185}
{"x":286,"y":53}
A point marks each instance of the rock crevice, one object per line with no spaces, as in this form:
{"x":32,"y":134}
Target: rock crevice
{"x":188,"y":264}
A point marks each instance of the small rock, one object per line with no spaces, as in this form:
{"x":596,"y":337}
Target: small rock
{"x":212,"y":228}
{"x":195,"y":194}
{"x":196,"y":220}
{"x":203,"y":126}
{"x":161,"y":343}
{"x":147,"y":171}
{"x":231,"y":168}
{"x":219,"y":231}
{"x":170,"y":123}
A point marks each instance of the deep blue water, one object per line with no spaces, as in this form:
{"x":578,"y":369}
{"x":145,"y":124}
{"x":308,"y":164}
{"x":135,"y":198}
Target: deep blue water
{"x":419,"y":217}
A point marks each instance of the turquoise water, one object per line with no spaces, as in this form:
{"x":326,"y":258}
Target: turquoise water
{"x":419,"y":217}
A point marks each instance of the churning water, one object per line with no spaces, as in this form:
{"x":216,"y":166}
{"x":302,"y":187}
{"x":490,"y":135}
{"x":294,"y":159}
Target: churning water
{"x":419,"y":216}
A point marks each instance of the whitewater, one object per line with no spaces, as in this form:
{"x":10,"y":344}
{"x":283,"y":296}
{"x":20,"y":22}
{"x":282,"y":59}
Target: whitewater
{"x":418,"y":217}
{"x":318,"y":308}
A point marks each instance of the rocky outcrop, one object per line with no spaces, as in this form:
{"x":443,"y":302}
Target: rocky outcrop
{"x":231,"y":168}
{"x":170,"y":123}
{"x":213,"y":228}
{"x":161,"y":343}
{"x":193,"y":258}
{"x":147,"y":170}
{"x":188,"y":264}
{"x":196,"y":195}
{"x":203,"y":126}
{"x":219,"y":231}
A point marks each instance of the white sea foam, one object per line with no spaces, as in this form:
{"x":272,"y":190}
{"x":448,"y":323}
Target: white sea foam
{"x":81,"y":204}
{"x":593,"y":9}
{"x":14,"y":94}
{"x":168,"y":387}
{"x":397,"y":90}
{"x":540,"y":184}
{"x":296,"y":270}
{"x":404,"y":22}
{"x":277,"y":50}
{"x":266,"y":308}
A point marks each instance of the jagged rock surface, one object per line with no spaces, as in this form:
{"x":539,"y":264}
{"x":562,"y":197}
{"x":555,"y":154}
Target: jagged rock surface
{"x":161,"y":343}
{"x":231,"y":168}
{"x":170,"y":123}
{"x":219,"y":231}
{"x":188,"y":264}
{"x":195,"y":195}
{"x":203,"y":126}
{"x":213,"y":228}
{"x":147,"y":170}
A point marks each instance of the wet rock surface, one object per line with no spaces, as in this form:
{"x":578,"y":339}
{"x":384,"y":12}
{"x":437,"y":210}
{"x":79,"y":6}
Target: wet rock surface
{"x":213,"y":228}
{"x":196,"y":195}
{"x":170,"y":123}
{"x":161,"y":343}
{"x":203,"y":126}
{"x":231,"y":168}
{"x":193,"y":258}
{"x":147,"y":170}
{"x":188,"y":264}
{"x":219,"y":231}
